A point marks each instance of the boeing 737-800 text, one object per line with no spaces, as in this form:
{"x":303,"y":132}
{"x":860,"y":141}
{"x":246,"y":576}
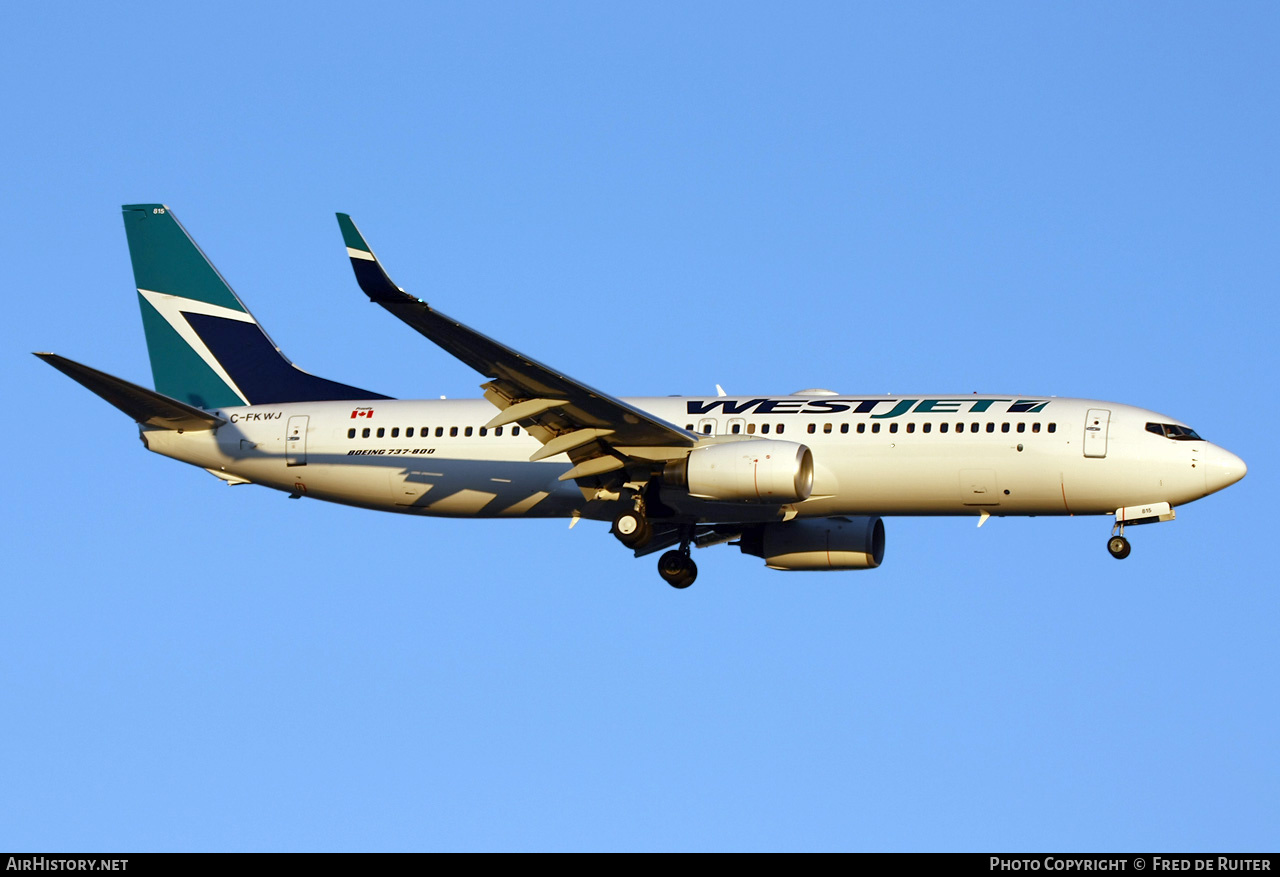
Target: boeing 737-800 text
{"x":801,"y":480}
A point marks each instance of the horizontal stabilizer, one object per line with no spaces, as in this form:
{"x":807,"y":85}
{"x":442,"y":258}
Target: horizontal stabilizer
{"x":145,"y":406}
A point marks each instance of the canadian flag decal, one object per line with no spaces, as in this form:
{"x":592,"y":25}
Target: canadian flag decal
{"x":362,"y":412}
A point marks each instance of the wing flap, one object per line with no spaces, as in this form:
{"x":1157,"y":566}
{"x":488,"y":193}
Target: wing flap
{"x":522,"y":410}
{"x":568,"y":441}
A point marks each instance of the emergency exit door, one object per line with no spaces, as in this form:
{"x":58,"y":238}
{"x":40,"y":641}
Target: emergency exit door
{"x":1095,"y":432}
{"x":295,"y":441}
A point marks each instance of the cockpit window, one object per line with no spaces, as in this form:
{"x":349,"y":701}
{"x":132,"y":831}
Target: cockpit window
{"x":1177,"y":433}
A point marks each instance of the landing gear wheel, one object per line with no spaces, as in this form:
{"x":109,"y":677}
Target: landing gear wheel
{"x":632,"y":529}
{"x":1119,"y":547}
{"x":677,"y":569}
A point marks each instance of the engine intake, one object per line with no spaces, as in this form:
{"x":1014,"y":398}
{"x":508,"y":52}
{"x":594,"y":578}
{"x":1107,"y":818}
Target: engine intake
{"x":826,"y":543}
{"x":747,"y":471}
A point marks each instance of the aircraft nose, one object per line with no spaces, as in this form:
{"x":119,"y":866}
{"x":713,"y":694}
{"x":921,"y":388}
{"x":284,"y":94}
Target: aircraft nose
{"x":1222,"y":468}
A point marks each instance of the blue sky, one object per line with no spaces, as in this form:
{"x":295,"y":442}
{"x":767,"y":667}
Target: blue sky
{"x":1077,"y":199}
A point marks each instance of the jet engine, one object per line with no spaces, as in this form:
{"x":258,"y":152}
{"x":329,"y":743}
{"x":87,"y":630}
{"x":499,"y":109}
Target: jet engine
{"x":814,"y":544}
{"x":747,"y":471}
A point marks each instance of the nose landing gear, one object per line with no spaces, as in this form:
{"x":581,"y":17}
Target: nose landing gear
{"x":1118,"y":545}
{"x":1152,"y":513}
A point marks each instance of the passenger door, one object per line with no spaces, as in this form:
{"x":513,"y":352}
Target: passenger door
{"x":1095,"y":432}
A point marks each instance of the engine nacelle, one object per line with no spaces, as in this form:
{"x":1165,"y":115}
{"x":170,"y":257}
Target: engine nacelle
{"x":825,"y":543}
{"x":747,"y":471}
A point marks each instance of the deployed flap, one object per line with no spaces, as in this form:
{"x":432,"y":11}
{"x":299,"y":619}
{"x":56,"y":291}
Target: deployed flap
{"x":553,"y":403}
{"x":143,"y":405}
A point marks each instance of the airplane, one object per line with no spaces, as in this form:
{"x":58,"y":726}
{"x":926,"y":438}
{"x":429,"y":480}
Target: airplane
{"x":803,"y":481}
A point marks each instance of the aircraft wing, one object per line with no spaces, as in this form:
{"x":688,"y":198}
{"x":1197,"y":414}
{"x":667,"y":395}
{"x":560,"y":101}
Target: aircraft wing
{"x":599,"y":432}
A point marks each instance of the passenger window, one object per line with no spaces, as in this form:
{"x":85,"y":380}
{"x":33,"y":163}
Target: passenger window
{"x":942,"y":427}
{"x":408,"y":433}
{"x":689,"y":426}
{"x":736,"y":428}
{"x":779,"y":429}
{"x":351,"y":433}
{"x":959,"y":427}
{"x":439,"y":431}
{"x":813,"y":427}
{"x":911,"y":427}
{"x":826,"y":429}
{"x":1022,"y":427}
{"x":498,"y":431}
{"x":991,"y":427}
{"x":926,"y":427}
{"x":395,"y":432}
{"x":1004,"y":427}
{"x":764,"y":428}
{"x":875,"y":427}
{"x":381,"y":432}
{"x":751,"y":429}
{"x":364,"y":433}
{"x":893,"y":427}
{"x":1035,"y":427}
{"x":467,"y":432}
{"x":844,"y":428}
{"x":515,"y":430}
{"x":453,"y":432}
{"x":483,"y":432}
{"x":862,"y":427}
{"x":1053,"y":427}
{"x":973,"y":427}
{"x":706,"y":429}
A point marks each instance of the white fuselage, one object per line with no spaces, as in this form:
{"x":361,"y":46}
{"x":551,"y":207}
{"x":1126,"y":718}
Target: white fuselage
{"x":890,"y":455}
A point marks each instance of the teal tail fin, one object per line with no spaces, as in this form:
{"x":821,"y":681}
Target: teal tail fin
{"x":206,"y":349}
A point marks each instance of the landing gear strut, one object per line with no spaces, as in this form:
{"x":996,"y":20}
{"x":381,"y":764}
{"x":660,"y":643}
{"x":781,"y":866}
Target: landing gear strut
{"x":1117,"y":544}
{"x":677,"y":568}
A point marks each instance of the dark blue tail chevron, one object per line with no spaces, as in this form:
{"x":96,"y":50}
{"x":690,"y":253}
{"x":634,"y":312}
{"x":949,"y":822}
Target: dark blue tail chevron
{"x":206,"y":349}
{"x":259,"y":370}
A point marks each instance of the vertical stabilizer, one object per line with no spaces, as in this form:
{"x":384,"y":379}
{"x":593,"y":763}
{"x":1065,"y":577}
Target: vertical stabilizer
{"x":206,"y":349}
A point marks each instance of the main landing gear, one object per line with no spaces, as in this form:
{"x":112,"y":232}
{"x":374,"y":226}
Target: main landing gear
{"x":632,"y":528}
{"x":677,"y":568}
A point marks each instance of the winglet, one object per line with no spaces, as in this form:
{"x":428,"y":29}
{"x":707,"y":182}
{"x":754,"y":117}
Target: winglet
{"x":371,"y":276}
